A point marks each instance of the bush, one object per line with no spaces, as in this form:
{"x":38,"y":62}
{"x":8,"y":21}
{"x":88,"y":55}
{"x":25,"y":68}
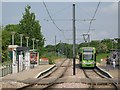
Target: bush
{"x":51,"y":61}
{"x":51,"y":56}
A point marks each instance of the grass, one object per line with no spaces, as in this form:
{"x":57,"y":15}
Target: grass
{"x":52,"y":57}
{"x":101,"y":56}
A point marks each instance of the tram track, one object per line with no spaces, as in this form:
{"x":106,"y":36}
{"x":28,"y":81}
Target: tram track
{"x":44,"y":83}
{"x":62,"y":77}
{"x":94,"y":74}
{"x":87,"y":76}
{"x":107,"y":77}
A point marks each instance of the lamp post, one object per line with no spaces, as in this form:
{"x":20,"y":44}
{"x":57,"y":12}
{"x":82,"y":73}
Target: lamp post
{"x":27,"y":40}
{"x":13,"y":34}
{"x":37,"y":43}
{"x":33,"y":39}
{"x":21,"y":35}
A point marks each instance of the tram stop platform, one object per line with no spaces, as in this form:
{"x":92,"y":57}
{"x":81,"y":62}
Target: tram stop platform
{"x":114,"y":72}
{"x":26,"y":74}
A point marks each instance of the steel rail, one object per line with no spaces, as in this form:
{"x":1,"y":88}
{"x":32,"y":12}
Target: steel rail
{"x":40,"y":78}
{"x":103,"y":74}
{"x":59,"y":76}
{"x":92,"y":82}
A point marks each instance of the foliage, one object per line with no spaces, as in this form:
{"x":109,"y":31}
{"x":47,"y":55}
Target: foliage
{"x":101,"y":56}
{"x":50,"y":48}
{"x":12,"y":27}
{"x":31,"y":27}
{"x":0,"y":43}
{"x":5,"y":42}
{"x":118,"y":45}
{"x":51,"y":56}
{"x":28,"y":26}
{"x":64,"y":49}
{"x":103,"y":46}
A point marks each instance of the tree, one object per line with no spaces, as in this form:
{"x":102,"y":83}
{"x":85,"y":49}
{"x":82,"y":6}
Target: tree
{"x":64,"y":48}
{"x":29,"y":26}
{"x":13,"y":27}
{"x":5,"y":43}
{"x":108,"y":42}
{"x":0,"y":43}
{"x":50,"y":48}
{"x":102,"y":48}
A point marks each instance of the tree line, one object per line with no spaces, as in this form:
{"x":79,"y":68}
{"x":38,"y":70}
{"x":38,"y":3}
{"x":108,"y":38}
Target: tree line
{"x":102,"y":46}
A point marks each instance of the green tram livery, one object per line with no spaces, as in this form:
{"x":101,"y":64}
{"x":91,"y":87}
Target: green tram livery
{"x":87,"y":56}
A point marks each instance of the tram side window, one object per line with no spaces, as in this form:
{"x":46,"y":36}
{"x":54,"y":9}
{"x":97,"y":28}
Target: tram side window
{"x":88,"y":56}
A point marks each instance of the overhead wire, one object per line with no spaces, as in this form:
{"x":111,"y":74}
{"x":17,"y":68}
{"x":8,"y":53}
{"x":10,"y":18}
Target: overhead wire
{"x":68,"y":19}
{"x":93,"y":16}
{"x":52,"y":19}
{"x":63,"y":9}
{"x":88,"y":14}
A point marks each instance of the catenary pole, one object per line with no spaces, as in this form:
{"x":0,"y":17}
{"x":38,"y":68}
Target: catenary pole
{"x":74,"y":55}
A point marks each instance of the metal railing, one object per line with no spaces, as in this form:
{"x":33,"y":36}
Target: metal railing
{"x":5,"y":69}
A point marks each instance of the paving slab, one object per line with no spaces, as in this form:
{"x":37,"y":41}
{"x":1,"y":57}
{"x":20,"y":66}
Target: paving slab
{"x":26,"y":74}
{"x":109,"y":68}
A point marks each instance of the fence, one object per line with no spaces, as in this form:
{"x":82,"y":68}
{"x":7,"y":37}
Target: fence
{"x":5,"y":69}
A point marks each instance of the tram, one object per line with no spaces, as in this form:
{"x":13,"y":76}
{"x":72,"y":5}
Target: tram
{"x":87,"y":57}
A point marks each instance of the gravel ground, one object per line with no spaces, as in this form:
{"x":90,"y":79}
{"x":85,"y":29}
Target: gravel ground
{"x":11,"y":84}
{"x":69,"y":72}
{"x":70,"y":85}
{"x":79,"y":72}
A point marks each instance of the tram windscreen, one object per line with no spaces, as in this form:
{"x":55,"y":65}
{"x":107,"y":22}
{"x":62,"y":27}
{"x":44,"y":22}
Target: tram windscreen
{"x":88,"y":56}
{"x":87,"y":50}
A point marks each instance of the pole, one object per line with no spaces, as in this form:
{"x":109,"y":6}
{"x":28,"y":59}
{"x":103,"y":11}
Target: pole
{"x":21,"y":35}
{"x":27,"y":40}
{"x":37,"y":43}
{"x":88,"y":40}
{"x":33,"y":39}
{"x":12,"y":39}
{"x":74,"y":39}
{"x":13,"y":33}
{"x":112,"y":43}
{"x":55,"y":44}
{"x":60,"y":47}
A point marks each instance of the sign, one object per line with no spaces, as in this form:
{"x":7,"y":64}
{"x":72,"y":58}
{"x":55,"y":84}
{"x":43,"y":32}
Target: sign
{"x":33,"y":57}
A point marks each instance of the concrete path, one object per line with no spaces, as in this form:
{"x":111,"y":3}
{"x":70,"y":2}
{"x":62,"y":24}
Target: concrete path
{"x":31,"y":73}
{"x":109,"y":68}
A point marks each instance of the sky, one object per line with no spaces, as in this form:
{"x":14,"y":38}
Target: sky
{"x":105,"y":25}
